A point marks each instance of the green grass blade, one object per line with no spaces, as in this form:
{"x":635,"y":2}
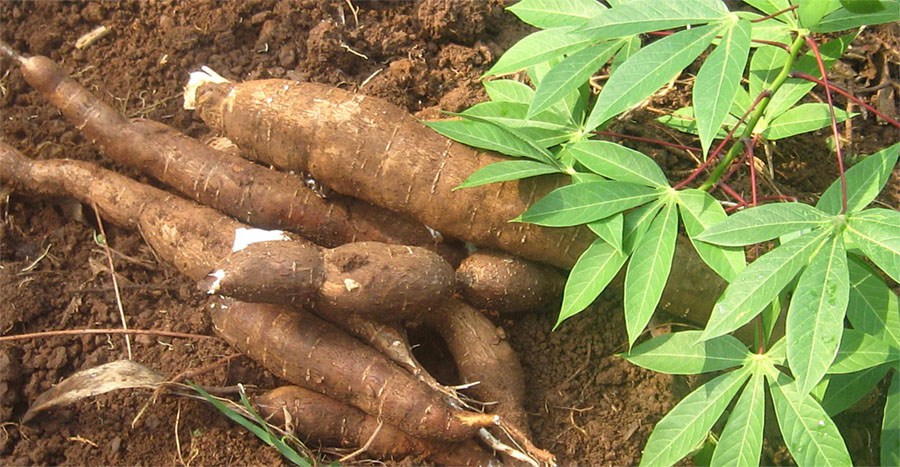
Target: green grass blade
{"x":581,"y":203}
{"x":809,"y":433}
{"x":679,"y":353}
{"x":860,"y":351}
{"x":593,"y":271}
{"x":610,"y":230}
{"x":889,"y":11}
{"x":873,"y":308}
{"x":864,"y":181}
{"x":877,"y":233}
{"x":764,"y":223}
{"x":766,"y":63}
{"x":648,"y":70}
{"x":568,"y":75}
{"x":741,"y":439}
{"x":506,"y":171}
{"x":556,"y":13}
{"x":539,"y":47}
{"x":648,"y":271}
{"x":640,"y":16}
{"x":815,"y":319}
{"x":507,"y":90}
{"x":890,"y":424}
{"x":676,"y":435}
{"x":845,"y":390}
{"x":718,"y":80}
{"x":699,"y":210}
{"x":760,"y":283}
{"x":617,"y":162}
{"x":803,"y":119}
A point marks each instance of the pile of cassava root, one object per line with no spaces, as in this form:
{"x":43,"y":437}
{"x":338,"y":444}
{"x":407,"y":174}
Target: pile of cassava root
{"x":326,"y":306}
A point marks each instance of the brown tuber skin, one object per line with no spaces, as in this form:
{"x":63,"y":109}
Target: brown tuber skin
{"x":322,"y":420}
{"x":370,"y":149}
{"x":508,"y":284}
{"x":247,"y":191}
{"x":311,"y":353}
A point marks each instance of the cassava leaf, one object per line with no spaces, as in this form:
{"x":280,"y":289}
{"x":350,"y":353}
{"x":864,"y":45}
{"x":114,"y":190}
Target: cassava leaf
{"x":688,"y":423}
{"x":593,"y":271}
{"x":873,"y":308}
{"x":506,"y":171}
{"x":811,"y":12}
{"x":877,"y":233}
{"x":718,"y":80}
{"x":770,"y":7}
{"x":860,"y":351}
{"x":844,"y":390}
{"x":610,"y":230}
{"x":480,"y":133}
{"x":809,"y":433}
{"x":581,"y":203}
{"x":637,"y":221}
{"x":679,"y":353}
{"x":546,"y":129}
{"x":741,"y":439}
{"x":507,"y":90}
{"x":699,"y":210}
{"x":568,"y":75}
{"x":847,"y":19}
{"x":539,"y":47}
{"x":683,"y":120}
{"x":763,"y":223}
{"x":815,"y":319}
{"x":768,"y":29}
{"x":803,"y":119}
{"x":555,"y":13}
{"x":649,"y":69}
{"x":864,"y":181}
{"x":648,"y":271}
{"x":760,"y":283}
{"x":632,"y":45}
{"x":640,"y":16}
{"x":766,"y":63}
{"x":617,"y":162}
{"x":890,"y":425}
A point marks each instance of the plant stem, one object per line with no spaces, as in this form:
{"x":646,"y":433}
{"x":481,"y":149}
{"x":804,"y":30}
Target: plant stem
{"x":755,"y":116}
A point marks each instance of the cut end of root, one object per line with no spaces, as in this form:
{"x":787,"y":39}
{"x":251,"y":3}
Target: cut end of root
{"x":244,"y":237}
{"x":197,"y":79}
{"x":217,"y":277}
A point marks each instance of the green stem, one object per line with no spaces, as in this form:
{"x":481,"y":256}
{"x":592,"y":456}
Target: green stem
{"x":735,"y":148}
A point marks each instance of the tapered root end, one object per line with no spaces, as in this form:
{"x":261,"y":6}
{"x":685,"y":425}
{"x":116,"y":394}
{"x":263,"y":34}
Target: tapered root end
{"x":481,"y":420}
{"x":7,"y":51}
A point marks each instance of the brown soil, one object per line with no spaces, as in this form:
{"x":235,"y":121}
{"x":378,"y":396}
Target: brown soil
{"x":587,"y":406}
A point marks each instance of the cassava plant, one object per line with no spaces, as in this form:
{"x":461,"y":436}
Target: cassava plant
{"x":827,"y":267}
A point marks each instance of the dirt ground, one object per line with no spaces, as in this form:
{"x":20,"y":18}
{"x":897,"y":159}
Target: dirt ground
{"x":587,"y":406}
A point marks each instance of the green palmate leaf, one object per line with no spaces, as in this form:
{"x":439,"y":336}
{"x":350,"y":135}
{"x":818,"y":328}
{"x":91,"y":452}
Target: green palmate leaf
{"x":860,"y":351}
{"x":581,"y":203}
{"x":637,"y":221}
{"x":873,"y":308}
{"x":845,"y":390}
{"x":506,"y":171}
{"x":763,"y":223}
{"x":649,"y":69}
{"x":683,"y":120}
{"x":811,"y":11}
{"x":770,"y":7}
{"x":617,"y":162}
{"x":593,"y":271}
{"x":539,"y":47}
{"x":648,"y":271}
{"x":679,"y":353}
{"x":568,"y":75}
{"x":719,"y":78}
{"x":741,"y":440}
{"x":689,"y":422}
{"x":760,"y":283}
{"x":546,"y":129}
{"x":810,"y":435}
{"x":485,"y":135}
{"x":765,"y":65}
{"x":769,"y":29}
{"x":699,"y":210}
{"x":507,"y":90}
{"x":632,"y":45}
{"x":842,"y":19}
{"x":803,"y":119}
{"x":877,"y":233}
{"x":890,"y":425}
{"x":555,"y":13}
{"x":610,"y":230}
{"x":864,"y":181}
{"x":642,"y":16}
{"x":794,"y":89}
{"x":815,"y":319}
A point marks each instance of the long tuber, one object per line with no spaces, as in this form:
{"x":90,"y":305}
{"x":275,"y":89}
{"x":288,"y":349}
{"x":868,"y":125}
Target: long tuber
{"x":370,"y":149}
{"x":327,"y":422}
{"x":507,"y":284}
{"x":309,"y":352}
